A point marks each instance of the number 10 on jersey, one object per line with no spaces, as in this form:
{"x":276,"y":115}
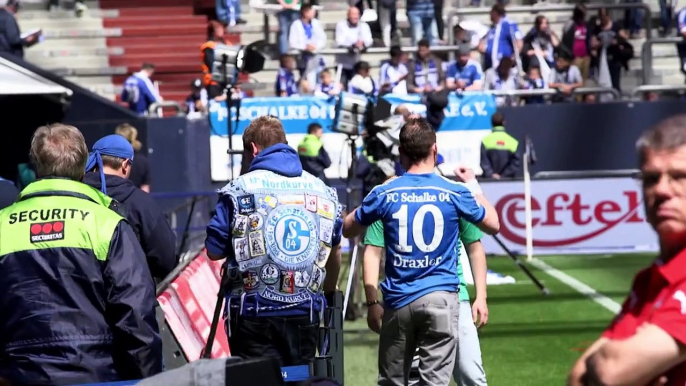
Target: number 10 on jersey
{"x":417,"y":228}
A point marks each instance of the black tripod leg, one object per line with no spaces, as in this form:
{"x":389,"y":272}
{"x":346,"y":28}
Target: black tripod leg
{"x":207,"y":352}
{"x":522,"y":266}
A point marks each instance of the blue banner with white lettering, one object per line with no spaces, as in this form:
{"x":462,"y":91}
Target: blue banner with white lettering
{"x":467,"y":120}
{"x":464,"y":112}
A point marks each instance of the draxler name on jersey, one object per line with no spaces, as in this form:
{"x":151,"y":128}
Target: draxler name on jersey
{"x":291,"y":237}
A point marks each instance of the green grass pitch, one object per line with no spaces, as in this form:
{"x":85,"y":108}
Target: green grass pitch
{"x":531,"y":339}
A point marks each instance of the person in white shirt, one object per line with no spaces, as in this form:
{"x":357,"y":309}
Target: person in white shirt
{"x":307,"y":36}
{"x":392,"y":73}
{"x":355,"y":36}
{"x":362,"y":83}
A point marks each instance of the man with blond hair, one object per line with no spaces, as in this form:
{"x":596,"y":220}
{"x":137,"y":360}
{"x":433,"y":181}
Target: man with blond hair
{"x":279,"y":228}
{"x":77,"y":295}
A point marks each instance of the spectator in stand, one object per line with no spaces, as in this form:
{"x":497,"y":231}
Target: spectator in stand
{"x":11,"y":41}
{"x":535,"y":81}
{"x":216,"y":34}
{"x":387,"y":15}
{"x":666,"y":15}
{"x":326,"y":86}
{"x":229,"y":12}
{"x":590,"y":98}
{"x":465,"y":74}
{"x":393,"y":72}
{"x":140,"y":172}
{"x":355,"y":36}
{"x":139,"y":91}
{"x":286,"y":17}
{"x":613,"y":51}
{"x":108,"y":168}
{"x":576,"y":38}
{"x":8,"y":193}
{"x":79,"y":6}
{"x":422,"y":17}
{"x":286,"y":84}
{"x":633,"y":19}
{"x":197,"y":101}
{"x":565,"y":77}
{"x":307,"y":36}
{"x":425,"y":72}
{"x":500,"y":154}
{"x":500,"y":40}
{"x":438,"y":18}
{"x":362,"y":83}
{"x":502,"y":78}
{"x":681,"y":32}
{"x":539,"y":44}
{"x":313,"y":156}
{"x":77,"y":296}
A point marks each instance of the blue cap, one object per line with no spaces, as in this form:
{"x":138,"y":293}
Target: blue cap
{"x":439,"y":159}
{"x":112,"y":145}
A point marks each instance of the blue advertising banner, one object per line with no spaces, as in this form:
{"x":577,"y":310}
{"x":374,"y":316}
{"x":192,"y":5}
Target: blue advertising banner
{"x":467,"y":120}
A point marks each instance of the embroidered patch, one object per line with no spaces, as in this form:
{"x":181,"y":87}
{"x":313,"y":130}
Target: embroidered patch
{"x":325,"y":208}
{"x":250,"y":280}
{"x":317,"y":279}
{"x":269,"y":274}
{"x":311,"y":203}
{"x":241,"y":249}
{"x":291,"y":236}
{"x":255,"y":222}
{"x":287,"y":282}
{"x":292,"y":199}
{"x":324,"y":252}
{"x":301,"y":279}
{"x":240,"y":226}
{"x":246,"y":204}
{"x":256,"y":244}
{"x":47,"y":231}
{"x":325,"y":230}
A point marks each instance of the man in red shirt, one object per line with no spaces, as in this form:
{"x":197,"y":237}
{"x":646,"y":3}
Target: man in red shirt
{"x":646,"y":343}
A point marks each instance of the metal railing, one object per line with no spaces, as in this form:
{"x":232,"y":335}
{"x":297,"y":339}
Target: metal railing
{"x":647,"y":55}
{"x":377,"y":50}
{"x":597,"y":90}
{"x":657,"y":88}
{"x":153,"y":109}
{"x":551,"y":92}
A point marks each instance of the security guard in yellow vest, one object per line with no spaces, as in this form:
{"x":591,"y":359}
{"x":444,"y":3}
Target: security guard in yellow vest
{"x":76,"y":293}
{"x":313,"y":156}
{"x":500,"y":155}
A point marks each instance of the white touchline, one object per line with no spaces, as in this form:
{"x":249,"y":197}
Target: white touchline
{"x":578,"y":286}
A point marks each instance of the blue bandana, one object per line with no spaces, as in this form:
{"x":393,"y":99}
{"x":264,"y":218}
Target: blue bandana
{"x":112,"y":145}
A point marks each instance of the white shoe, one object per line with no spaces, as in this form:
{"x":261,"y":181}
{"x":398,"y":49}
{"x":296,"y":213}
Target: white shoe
{"x":80,"y":9}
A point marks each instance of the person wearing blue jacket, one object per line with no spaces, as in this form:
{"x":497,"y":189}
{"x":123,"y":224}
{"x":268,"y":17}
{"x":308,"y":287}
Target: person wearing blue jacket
{"x":8,"y":193}
{"x":279,"y":229}
{"x":139,"y":92}
{"x":108,"y":168}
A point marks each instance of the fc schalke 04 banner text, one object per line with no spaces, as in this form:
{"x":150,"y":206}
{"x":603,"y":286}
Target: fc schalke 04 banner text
{"x":467,"y":120}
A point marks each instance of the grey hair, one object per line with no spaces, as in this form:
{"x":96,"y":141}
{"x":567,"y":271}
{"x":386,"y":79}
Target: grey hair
{"x":668,"y":134}
{"x":59,"y":150}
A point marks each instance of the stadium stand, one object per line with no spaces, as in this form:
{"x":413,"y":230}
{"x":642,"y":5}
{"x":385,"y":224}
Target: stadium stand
{"x":100,"y":49}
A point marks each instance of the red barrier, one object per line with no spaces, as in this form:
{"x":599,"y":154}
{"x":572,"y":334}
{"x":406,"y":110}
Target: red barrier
{"x":188,"y":306}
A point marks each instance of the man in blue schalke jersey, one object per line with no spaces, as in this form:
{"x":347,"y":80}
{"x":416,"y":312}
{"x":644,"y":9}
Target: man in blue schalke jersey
{"x":420,"y":212}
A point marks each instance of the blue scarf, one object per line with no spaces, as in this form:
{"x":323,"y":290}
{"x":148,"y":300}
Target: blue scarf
{"x":112,"y":145}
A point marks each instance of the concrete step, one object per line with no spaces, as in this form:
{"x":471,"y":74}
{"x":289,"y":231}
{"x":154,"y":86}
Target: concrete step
{"x":90,"y":81}
{"x":68,"y":62}
{"x":59,"y":24}
{"x":69,"y":43}
{"x":76,"y":52}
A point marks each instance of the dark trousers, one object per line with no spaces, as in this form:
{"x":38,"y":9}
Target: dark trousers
{"x":346,"y":75}
{"x":292,"y":339}
{"x":438,"y":8}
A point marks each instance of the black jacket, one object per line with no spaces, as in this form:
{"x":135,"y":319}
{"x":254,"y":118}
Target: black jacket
{"x":77,"y":307}
{"x":10,"y":37}
{"x":146,"y":219}
{"x":8,"y":193}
